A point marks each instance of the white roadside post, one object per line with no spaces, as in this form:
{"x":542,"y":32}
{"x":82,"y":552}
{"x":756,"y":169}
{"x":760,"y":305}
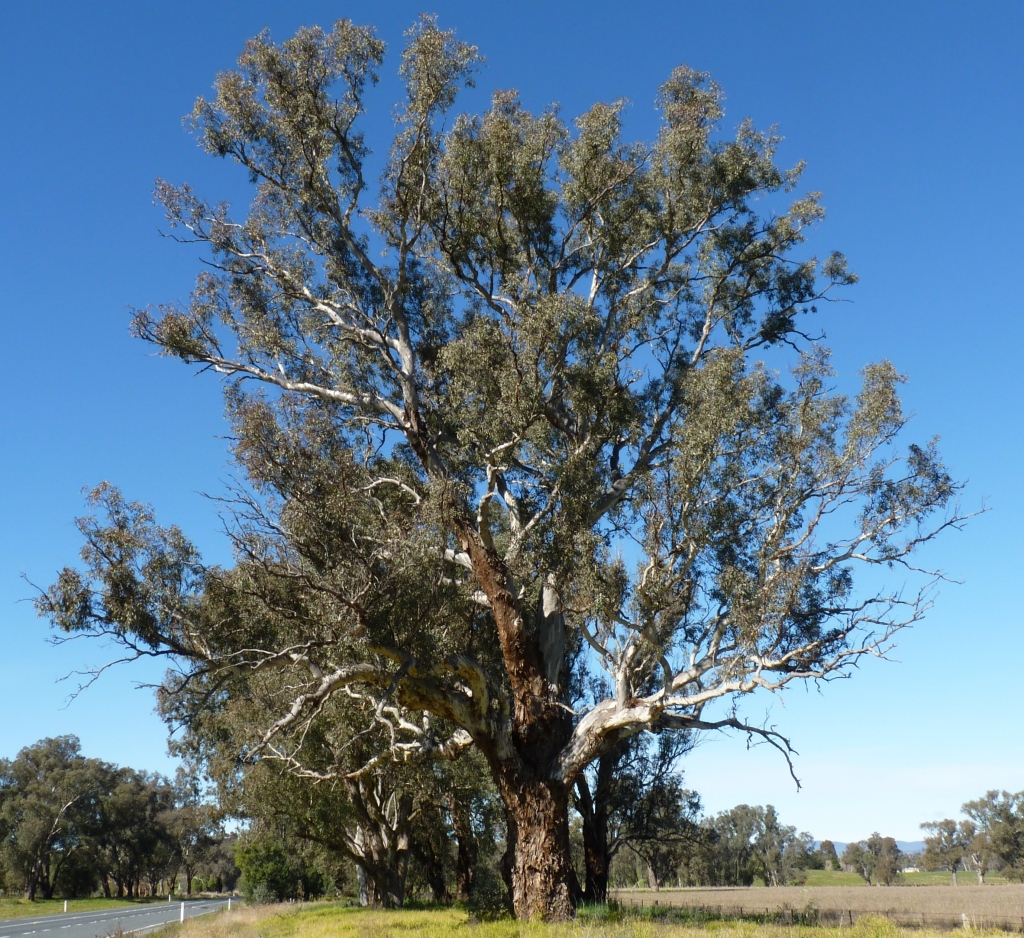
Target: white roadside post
{"x":65,"y":905}
{"x":229,"y":903}
{"x":182,"y":912}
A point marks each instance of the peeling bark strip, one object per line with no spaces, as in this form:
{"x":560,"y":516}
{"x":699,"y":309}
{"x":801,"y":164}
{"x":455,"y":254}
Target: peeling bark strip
{"x":530,"y":353}
{"x":541,"y":875}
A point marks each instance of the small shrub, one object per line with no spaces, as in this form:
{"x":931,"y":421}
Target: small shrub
{"x":489,"y":897}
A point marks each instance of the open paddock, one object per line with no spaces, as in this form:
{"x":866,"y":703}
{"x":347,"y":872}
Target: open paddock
{"x":940,"y":906}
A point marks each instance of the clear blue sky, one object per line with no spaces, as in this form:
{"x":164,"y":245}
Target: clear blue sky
{"x":909,"y":117}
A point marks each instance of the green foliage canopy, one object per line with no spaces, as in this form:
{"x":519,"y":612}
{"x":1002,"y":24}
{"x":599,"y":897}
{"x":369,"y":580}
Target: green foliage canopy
{"x":503,"y":428}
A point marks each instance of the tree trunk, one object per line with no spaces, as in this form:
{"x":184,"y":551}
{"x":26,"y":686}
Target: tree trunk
{"x":433,"y":870}
{"x":593,"y":810}
{"x":526,"y":764}
{"x":468,"y":852}
{"x":381,"y":886}
{"x":365,"y":886}
{"x":391,"y":885}
{"x":31,"y":883}
{"x":542,"y":877}
{"x":380,"y":845}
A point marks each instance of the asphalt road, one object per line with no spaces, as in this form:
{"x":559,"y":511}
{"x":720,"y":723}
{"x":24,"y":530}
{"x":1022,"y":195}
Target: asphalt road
{"x":132,"y":918}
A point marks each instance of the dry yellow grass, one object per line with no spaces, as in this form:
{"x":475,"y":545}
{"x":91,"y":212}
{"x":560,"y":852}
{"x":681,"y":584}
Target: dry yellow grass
{"x":1002,"y":906}
{"x":332,"y":921}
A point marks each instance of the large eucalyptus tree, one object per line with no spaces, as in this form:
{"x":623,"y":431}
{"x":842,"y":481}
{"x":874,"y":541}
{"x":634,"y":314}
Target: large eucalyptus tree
{"x":506,"y":433}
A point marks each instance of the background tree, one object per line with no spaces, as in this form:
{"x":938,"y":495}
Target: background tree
{"x":828,"y":855}
{"x":659,"y":826}
{"x":948,"y":846}
{"x":857,"y":858}
{"x":221,"y":869}
{"x":131,"y":838}
{"x":633,"y":794}
{"x":529,"y":368}
{"x":48,"y":796}
{"x":276,"y":868}
{"x":191,"y":826}
{"x":877,"y":858}
{"x":748,"y":842}
{"x":888,"y":859}
{"x":72,"y":825}
{"x":778,"y":849}
{"x":998,"y":819}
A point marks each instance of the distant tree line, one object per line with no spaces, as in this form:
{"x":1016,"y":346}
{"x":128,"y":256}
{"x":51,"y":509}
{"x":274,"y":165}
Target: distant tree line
{"x":990,"y":837}
{"x":734,"y":848}
{"x":74,"y":826}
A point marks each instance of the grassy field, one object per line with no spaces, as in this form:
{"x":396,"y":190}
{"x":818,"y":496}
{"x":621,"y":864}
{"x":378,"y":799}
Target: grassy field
{"x":922,"y":878}
{"x":998,"y":906}
{"x":18,"y":908}
{"x":333,"y":921}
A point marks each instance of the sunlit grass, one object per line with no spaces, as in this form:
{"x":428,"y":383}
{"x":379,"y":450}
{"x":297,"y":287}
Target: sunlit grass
{"x":334,"y":921}
{"x":22,"y":908}
{"x":920,"y":878}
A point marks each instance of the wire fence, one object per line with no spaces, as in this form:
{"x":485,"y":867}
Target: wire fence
{"x":830,"y":918}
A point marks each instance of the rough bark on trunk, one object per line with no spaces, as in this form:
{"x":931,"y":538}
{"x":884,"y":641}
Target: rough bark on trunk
{"x":385,"y":886}
{"x":541,"y":874}
{"x":526,"y":763}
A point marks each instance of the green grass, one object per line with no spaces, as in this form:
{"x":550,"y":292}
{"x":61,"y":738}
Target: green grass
{"x":833,"y":878}
{"x":21,"y":908}
{"x":963,"y":878}
{"x":335,"y":921}
{"x":923,"y":878}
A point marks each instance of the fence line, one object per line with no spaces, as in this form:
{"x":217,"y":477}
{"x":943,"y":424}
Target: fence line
{"x":831,"y":918}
